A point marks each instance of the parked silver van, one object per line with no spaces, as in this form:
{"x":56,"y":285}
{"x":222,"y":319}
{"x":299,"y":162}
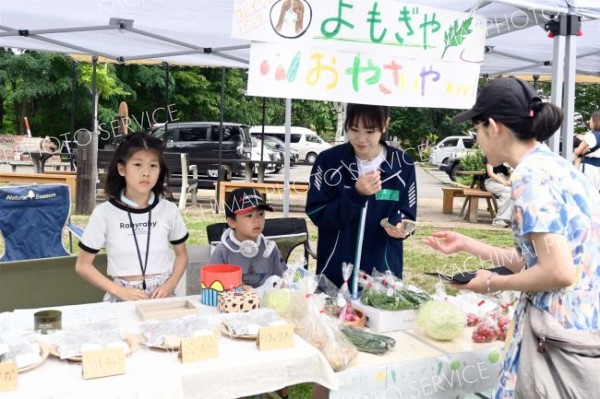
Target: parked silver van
{"x":307,"y":142}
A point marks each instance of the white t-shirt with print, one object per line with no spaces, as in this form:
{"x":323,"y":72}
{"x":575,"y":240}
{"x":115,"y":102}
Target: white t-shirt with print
{"x":109,"y":227}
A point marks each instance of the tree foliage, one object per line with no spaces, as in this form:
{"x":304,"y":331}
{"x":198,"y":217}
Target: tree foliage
{"x":39,"y":85}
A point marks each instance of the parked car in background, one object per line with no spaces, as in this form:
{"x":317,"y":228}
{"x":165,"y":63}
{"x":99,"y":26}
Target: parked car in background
{"x":277,"y":145}
{"x":308,"y":143}
{"x":452,"y":164}
{"x":201,"y":141}
{"x":267,"y":155}
{"x":441,"y":152}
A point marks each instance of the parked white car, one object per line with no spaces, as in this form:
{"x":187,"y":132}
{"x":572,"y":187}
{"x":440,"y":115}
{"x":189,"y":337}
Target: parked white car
{"x":307,"y":142}
{"x":443,"y":150}
{"x":267,"y":155}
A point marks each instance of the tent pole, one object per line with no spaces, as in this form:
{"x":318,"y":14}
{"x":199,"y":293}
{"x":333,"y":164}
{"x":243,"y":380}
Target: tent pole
{"x":221,"y":114}
{"x":168,"y":79}
{"x":569,"y":95}
{"x":72,"y":123}
{"x":558,"y":66}
{"x":286,"y":159}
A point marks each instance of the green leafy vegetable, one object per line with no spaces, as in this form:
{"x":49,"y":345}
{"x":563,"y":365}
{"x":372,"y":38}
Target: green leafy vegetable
{"x":398,"y":300}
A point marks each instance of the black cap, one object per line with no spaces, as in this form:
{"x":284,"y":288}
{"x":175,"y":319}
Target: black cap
{"x":243,"y":200}
{"x":502,"y":97}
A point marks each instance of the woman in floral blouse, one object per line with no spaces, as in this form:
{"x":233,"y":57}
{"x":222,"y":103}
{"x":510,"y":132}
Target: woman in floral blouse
{"x":555,"y":219}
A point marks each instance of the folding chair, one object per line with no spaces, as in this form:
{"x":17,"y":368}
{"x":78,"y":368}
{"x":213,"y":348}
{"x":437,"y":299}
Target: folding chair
{"x":33,"y":218}
{"x":288,"y":233}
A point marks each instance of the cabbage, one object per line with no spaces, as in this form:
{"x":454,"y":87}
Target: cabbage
{"x":278,"y":299}
{"x":442,"y":320}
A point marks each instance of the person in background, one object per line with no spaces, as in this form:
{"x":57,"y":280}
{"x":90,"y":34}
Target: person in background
{"x":497,"y":182}
{"x":353,"y":188}
{"x":588,"y":151}
{"x":136,"y":225}
{"x":555,"y":224}
{"x":243,"y":243}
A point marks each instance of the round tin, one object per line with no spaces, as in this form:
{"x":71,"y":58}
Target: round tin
{"x":46,"y":320}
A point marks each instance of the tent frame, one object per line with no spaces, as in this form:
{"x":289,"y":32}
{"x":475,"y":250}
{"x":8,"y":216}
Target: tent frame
{"x":123,"y":25}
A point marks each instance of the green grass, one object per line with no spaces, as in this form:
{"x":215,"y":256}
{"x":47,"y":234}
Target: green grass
{"x":418,"y":257}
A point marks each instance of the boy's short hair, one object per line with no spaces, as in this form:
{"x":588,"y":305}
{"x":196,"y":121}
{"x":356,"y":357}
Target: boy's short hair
{"x":243,"y":200}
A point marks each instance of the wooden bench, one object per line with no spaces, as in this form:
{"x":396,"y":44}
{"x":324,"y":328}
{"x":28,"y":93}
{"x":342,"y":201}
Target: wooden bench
{"x":58,"y":166}
{"x":264,"y":188}
{"x":449,"y":193}
{"x":175,"y":161}
{"x":42,"y":178}
{"x":472,"y":196}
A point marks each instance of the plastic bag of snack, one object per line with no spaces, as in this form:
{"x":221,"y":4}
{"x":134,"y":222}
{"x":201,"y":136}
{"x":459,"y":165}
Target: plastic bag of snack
{"x":316,"y":327}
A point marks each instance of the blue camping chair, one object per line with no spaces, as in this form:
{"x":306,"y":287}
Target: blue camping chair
{"x":33,"y":218}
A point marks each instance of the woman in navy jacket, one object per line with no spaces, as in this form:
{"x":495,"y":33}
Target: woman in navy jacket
{"x":353,"y":186}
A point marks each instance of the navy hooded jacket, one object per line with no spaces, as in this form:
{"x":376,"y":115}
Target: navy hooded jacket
{"x":334,"y":205}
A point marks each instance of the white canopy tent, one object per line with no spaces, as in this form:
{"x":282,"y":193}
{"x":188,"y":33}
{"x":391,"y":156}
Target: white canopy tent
{"x":197,"y":32}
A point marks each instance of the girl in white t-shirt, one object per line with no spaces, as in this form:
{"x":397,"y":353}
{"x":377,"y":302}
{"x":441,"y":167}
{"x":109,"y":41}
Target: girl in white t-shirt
{"x":135,"y":225}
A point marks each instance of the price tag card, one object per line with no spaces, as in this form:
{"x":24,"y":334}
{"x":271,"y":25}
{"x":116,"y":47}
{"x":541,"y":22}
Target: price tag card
{"x":103,"y":363}
{"x":276,"y":337}
{"x":8,"y":376}
{"x":201,"y":347}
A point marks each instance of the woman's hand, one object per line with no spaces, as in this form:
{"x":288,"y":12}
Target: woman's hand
{"x":478,"y":284}
{"x":130,"y":294}
{"x":369,"y":184}
{"x":446,"y":242}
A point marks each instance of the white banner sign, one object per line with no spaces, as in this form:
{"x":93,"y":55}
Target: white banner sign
{"x":396,"y":28}
{"x":372,"y":52}
{"x":321,"y":74}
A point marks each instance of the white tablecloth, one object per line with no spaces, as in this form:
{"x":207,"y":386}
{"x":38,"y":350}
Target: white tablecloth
{"x":420,"y":367}
{"x":240,"y":370}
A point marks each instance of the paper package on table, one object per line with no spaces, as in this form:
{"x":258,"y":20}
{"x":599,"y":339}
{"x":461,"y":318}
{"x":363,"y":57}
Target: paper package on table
{"x":387,"y":320}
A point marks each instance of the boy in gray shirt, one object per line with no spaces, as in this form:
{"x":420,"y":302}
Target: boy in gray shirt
{"x":243,"y":243}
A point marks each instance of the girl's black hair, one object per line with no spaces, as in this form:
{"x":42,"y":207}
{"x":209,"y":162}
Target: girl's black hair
{"x":372,"y":116}
{"x":114,"y":183}
{"x":546,"y":120}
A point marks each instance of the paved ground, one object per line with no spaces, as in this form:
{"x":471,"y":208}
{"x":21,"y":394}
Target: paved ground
{"x":429,"y":183}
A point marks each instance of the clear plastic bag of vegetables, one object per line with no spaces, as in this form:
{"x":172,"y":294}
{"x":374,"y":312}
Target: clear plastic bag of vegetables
{"x":368,"y":342}
{"x":318,"y":328}
{"x":396,"y":296}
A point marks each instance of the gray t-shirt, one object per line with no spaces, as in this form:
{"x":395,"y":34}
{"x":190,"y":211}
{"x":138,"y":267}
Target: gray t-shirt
{"x":254,"y":270}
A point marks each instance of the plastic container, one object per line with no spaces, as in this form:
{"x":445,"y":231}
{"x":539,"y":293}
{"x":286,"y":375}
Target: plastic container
{"x":47,"y":320}
{"x":219,"y":278}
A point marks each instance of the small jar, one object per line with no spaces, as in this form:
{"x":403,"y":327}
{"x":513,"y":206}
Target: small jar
{"x":47,"y":320}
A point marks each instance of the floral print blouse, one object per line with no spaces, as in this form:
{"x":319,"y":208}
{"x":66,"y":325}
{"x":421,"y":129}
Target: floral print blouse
{"x":551,"y":196}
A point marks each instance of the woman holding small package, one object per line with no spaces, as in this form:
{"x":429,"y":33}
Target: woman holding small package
{"x":360,"y":192}
{"x":556,"y":229}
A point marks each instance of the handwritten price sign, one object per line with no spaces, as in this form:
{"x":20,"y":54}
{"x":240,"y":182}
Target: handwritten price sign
{"x":200,"y":348}
{"x":276,"y":337}
{"x":8,"y":376}
{"x":103,"y":363}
